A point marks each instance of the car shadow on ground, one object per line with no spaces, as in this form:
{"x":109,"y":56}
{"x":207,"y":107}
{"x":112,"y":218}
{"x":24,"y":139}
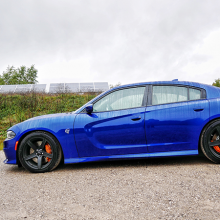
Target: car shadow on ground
{"x":149,"y":162}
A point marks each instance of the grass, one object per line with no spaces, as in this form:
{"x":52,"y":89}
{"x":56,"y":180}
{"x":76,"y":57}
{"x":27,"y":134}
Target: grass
{"x":1,"y":144}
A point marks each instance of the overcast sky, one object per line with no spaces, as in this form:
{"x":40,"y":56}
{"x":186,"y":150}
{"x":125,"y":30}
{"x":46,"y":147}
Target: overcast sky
{"x":112,"y":40}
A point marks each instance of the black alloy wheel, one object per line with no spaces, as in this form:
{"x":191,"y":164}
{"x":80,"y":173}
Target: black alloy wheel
{"x":39,"y":152}
{"x":210,"y":141}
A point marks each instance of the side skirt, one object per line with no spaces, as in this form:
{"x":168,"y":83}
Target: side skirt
{"x":131,"y":156}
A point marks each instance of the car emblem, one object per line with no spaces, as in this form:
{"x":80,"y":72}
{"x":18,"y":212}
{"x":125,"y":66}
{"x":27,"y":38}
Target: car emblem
{"x":67,"y":130}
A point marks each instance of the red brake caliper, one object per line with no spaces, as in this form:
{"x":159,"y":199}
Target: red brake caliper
{"x":49,"y":151}
{"x":217,"y":148}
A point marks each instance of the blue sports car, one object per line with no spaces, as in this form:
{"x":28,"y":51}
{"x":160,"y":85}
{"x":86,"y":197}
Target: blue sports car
{"x":153,"y":119}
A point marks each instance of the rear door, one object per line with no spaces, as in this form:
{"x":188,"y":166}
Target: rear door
{"x":116,"y":125}
{"x":175,"y":118}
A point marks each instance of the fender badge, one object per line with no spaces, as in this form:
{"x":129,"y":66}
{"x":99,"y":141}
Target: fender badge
{"x":67,"y":130}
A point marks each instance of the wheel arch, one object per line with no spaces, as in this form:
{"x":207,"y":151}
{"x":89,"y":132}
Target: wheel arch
{"x":204,"y":127}
{"x":29,"y":132}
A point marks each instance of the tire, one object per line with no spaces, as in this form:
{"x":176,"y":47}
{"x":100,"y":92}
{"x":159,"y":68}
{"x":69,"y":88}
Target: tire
{"x":210,"y":141}
{"x":39,"y":152}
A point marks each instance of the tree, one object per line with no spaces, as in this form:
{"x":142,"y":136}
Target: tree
{"x":21,"y":75}
{"x":217,"y":82}
{"x":1,"y":81}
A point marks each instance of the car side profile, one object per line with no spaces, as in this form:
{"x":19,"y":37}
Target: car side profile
{"x":142,"y":120}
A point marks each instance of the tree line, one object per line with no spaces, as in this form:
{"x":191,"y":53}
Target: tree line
{"x":20,"y":75}
{"x":28,"y":75}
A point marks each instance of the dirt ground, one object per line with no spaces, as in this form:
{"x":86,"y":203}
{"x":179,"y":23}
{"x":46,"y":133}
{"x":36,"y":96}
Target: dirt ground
{"x":165,"y":188}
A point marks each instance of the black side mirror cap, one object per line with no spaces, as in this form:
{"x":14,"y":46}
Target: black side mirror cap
{"x":89,"y":108}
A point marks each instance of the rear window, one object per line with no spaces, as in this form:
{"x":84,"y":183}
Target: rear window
{"x":168,"y":94}
{"x":194,"y":94}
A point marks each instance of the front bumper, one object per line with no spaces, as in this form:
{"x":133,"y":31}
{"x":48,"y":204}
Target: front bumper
{"x":10,"y":152}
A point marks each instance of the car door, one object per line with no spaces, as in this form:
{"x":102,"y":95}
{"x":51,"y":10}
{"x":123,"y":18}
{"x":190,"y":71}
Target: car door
{"x":175,"y":118}
{"x":115,"y":127}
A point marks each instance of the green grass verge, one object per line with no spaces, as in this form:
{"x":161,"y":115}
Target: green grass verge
{"x":1,"y":144}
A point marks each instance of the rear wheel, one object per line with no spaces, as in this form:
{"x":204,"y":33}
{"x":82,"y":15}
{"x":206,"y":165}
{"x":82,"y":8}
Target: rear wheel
{"x":210,"y":141}
{"x":39,"y":152}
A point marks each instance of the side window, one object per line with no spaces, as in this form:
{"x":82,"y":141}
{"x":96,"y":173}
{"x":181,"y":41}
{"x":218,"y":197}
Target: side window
{"x":121,"y":99}
{"x":194,"y":94}
{"x":168,"y":94}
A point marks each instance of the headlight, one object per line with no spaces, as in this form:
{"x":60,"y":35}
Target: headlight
{"x":10,"y":134}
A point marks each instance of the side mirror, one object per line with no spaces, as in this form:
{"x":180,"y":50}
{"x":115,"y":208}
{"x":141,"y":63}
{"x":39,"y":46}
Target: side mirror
{"x":89,"y":108}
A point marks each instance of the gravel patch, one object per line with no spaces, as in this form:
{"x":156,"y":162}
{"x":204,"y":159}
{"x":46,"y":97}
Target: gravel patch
{"x":165,"y":188}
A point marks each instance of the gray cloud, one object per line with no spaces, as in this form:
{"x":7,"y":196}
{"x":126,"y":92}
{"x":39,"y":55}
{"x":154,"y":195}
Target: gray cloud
{"x":124,"y":40}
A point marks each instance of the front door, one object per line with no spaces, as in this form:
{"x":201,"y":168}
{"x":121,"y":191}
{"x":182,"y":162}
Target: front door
{"x":115,"y":127}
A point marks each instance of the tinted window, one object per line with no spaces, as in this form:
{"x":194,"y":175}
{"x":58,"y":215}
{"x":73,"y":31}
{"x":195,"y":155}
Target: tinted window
{"x":194,"y":94}
{"x":168,"y":94}
{"x":121,"y":99}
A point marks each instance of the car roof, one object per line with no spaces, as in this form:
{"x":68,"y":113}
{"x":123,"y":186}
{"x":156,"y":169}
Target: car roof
{"x":194,"y":84}
{"x":211,"y":91}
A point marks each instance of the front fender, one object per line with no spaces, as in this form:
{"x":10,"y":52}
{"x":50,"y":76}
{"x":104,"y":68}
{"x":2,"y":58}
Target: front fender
{"x":60,"y":126}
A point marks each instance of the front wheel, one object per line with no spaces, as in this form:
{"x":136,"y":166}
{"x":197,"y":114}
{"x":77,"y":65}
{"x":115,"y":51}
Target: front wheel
{"x":39,"y":152}
{"x":210,"y":141}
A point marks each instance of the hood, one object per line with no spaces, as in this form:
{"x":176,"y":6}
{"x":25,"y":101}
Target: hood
{"x":50,"y":116}
{"x":43,"y":121}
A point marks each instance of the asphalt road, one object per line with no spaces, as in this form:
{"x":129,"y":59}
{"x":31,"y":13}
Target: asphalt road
{"x":167,"y":188}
